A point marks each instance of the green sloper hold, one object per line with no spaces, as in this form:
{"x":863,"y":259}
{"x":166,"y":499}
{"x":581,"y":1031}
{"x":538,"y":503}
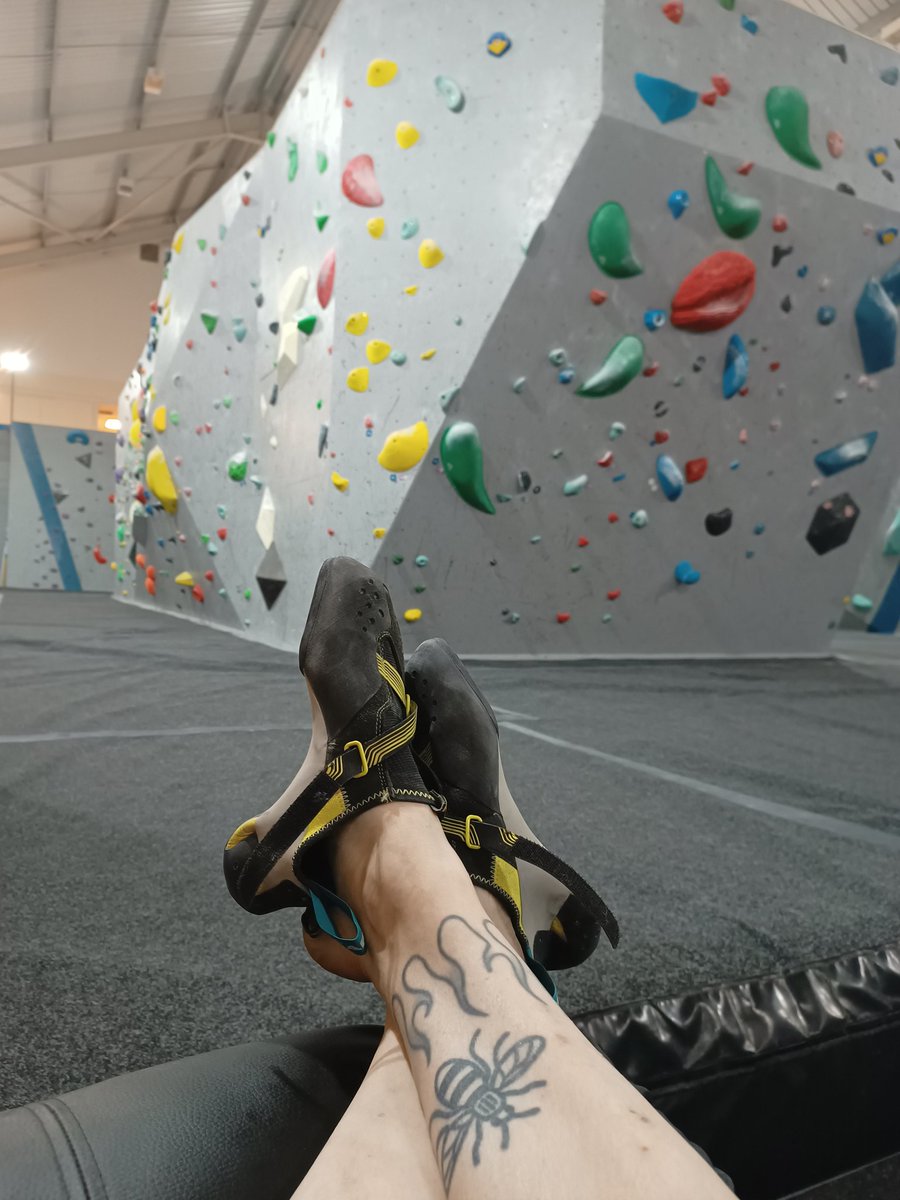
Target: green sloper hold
{"x":321,"y":162}
{"x":737,"y":216}
{"x":727,"y":4}
{"x":624,"y":361}
{"x":463,"y":463}
{"x":788,"y":114}
{"x":210,"y":321}
{"x":609,"y":239}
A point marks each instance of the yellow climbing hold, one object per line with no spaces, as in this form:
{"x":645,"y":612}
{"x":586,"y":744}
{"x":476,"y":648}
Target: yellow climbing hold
{"x":159,"y":481}
{"x":412,"y":289}
{"x":166,"y":316}
{"x":376,"y":351}
{"x":406,"y":134}
{"x":379,"y":532}
{"x":430,"y":253}
{"x":134,"y":410}
{"x":404,"y":448}
{"x":358,"y":379}
{"x":375,"y":226}
{"x":159,"y":419}
{"x":412,"y":615}
{"x":426,"y":354}
{"x":184,"y":579}
{"x":134,"y":434}
{"x":178,"y":243}
{"x":339,"y":481}
{"x":380,"y":72}
{"x":357,"y":323}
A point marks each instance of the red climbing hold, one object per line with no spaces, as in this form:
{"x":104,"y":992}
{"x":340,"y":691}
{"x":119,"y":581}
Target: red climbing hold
{"x":98,"y":555}
{"x":209,"y":576}
{"x":674,"y":11}
{"x":140,"y":561}
{"x":715,"y":293}
{"x":562,"y":617}
{"x":245,"y":199}
{"x":614,"y":594}
{"x":745,"y":168}
{"x":154,"y":307}
{"x":744,"y":391}
{"x":221,"y":534}
{"x":650,"y":371}
{"x":582,"y":542}
{"x":331,"y":533}
{"x":775,"y":366}
{"x":598,"y":297}
{"x":605,"y":460}
{"x":189,"y":343}
{"x":722,"y":84}
{"x":111,"y":498}
{"x":197,"y":593}
{"x":779,"y":223}
{"x":661,"y":435}
{"x":348,"y":103}
{"x":140,"y":494}
{"x":150,"y":585}
{"x":358,"y":182}
{"x":612,"y":518}
{"x":325,"y":281}
{"x":695,"y":469}
{"x":208,"y":427}
{"x":151,"y":571}
{"x":710,"y":98}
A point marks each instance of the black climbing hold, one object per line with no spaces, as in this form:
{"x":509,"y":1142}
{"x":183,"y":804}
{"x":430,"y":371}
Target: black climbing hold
{"x":273,"y":399}
{"x":887,"y":174}
{"x":846,"y":189}
{"x":719,"y":522}
{"x":270,"y":576}
{"x":274,"y":326}
{"x":786,"y":304}
{"x":132,"y":553}
{"x":523,"y":481}
{"x":839,"y":50}
{"x":832,"y":523}
{"x":780,"y":252}
{"x":260,"y":300}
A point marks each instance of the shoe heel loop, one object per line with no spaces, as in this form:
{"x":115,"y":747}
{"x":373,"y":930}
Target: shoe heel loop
{"x":320,"y":896}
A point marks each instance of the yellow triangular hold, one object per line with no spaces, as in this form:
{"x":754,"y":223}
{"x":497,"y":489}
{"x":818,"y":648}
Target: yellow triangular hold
{"x":357,"y":323}
{"x":184,"y":579}
{"x":339,"y":481}
{"x":377,"y":351}
{"x":159,"y":481}
{"x":404,"y":448}
{"x":159,"y":419}
{"x":380,"y":72}
{"x":358,"y":379}
{"x":178,"y":243}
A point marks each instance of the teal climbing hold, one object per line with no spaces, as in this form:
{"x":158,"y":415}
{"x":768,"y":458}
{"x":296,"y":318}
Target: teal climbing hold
{"x":463,"y":462}
{"x":572,"y":487}
{"x":671,"y":480}
{"x":668,"y":101}
{"x":890,"y":281}
{"x":609,"y":239}
{"x":892,"y":540}
{"x":788,"y":113}
{"x":686,"y":573}
{"x":861,"y":603}
{"x":409,"y":228}
{"x":451,"y":93}
{"x":737,"y":367}
{"x":623,"y":363}
{"x":876,"y":327}
{"x":238,"y":328}
{"x":848,"y":454}
{"x":737,"y":216}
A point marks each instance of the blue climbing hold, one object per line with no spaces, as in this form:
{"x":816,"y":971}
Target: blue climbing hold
{"x":876,"y":327}
{"x":678,"y":201}
{"x":884,"y":237}
{"x":751,"y":26}
{"x":686,"y":573}
{"x":759,"y":529}
{"x":670,"y":477}
{"x":890,"y":75}
{"x":737,"y":367}
{"x":655,"y":318}
{"x":566,"y":375}
{"x":826,"y":314}
{"x":669,"y":101}
{"x":79,"y":436}
{"x":802,"y":272}
{"x":890,"y":281}
{"x":877,"y":156}
{"x":847,"y":454}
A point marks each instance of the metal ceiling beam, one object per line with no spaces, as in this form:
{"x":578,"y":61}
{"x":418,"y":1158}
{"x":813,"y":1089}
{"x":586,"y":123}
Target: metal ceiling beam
{"x":247,"y":127}
{"x":48,"y":109}
{"x":160,"y":233}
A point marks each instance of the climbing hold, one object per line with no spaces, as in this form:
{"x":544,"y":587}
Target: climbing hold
{"x":719,"y":523}
{"x":237,"y":466}
{"x":184,"y":579}
{"x":357,"y":323}
{"x":406,"y":134}
{"x":325,"y":280}
{"x":678,"y":203}
{"x":421,"y":560}
{"x":380,"y":71}
{"x":321,"y":220}
{"x":616,"y":430}
{"x":210,"y":321}
{"x":222,"y":534}
{"x":339,"y":481}
{"x":639,"y":519}
{"x":861,"y":603}
{"x":614,"y":594}
{"x":463,"y":463}
{"x":293,"y":160}
{"x":557,"y":356}
{"x":238,"y":328}
{"x":877,"y":156}
{"x":377,"y":351}
{"x":622,"y":364}
{"x":307,"y":324}
{"x":159,"y":419}
{"x":695,"y":469}
{"x":835,"y":143}
{"x":892,"y":539}
{"x":710,"y":98}
{"x":498,"y":44}
{"x":99,"y":556}
{"x":430,"y":253}
{"x":606,"y":459}
{"x":715,"y":293}
{"x":890,"y":75}
{"x":411,"y":615}
{"x":654,"y":318}
{"x":884,"y":237}
{"x":668,"y":101}
{"x":79,"y":437}
{"x":519,"y":385}
{"x":358,"y":379}
{"x":270,"y":576}
{"x":358,"y":182}
{"x":321,"y":162}
{"x":375,"y":226}
{"x":427,"y":354}
{"x":398,"y":358}
{"x":598,"y":297}
{"x":826,"y":314}
{"x":779,"y":223}
{"x":609,"y":240}
{"x":745,"y":168}
{"x":673,"y":11}
{"x":788,"y":114}
{"x":876,"y":327}
{"x":832,"y":523}
{"x":409,"y":228}
{"x":149,"y":585}
{"x":563,"y":617}
{"x":159,"y":481}
{"x":566,"y":375}
{"x":737,"y":216}
{"x":670,"y":477}
{"x":451,"y":92}
{"x":178,"y":243}
{"x":751,"y":26}
{"x":737,"y":367}
{"x":686,"y":574}
{"x":572,"y":487}
{"x":404,"y":448}
{"x":848,"y":454}
{"x":721,"y":83}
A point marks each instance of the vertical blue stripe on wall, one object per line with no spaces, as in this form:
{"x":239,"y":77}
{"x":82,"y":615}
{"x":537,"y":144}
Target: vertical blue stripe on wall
{"x":31,"y":455}
{"x":888,"y":616}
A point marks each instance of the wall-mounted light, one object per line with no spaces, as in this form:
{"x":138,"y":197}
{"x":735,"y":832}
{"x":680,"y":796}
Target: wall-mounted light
{"x":14,"y":361}
{"x":113,"y":424}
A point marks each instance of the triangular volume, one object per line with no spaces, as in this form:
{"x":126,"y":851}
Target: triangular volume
{"x":84,"y":459}
{"x":270,"y":576}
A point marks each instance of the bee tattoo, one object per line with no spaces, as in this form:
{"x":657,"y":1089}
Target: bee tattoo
{"x":474,"y":1093}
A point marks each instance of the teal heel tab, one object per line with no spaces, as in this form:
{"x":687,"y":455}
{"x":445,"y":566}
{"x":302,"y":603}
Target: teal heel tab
{"x":321,"y":896}
{"x":545,"y":977}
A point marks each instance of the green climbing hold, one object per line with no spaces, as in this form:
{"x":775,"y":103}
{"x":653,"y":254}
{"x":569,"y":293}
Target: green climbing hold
{"x":397,"y":559}
{"x":737,"y":216}
{"x":609,"y":239}
{"x":463,"y":463}
{"x":201,"y":242}
{"x":174,"y":417}
{"x":728,"y":5}
{"x":623,"y":363}
{"x":270,"y":137}
{"x":307,"y":324}
{"x":293,"y":160}
{"x":321,"y":221}
{"x":247,"y":594}
{"x":321,"y":162}
{"x":227,"y":401}
{"x":237,"y":466}
{"x":788,"y":113}
{"x":210,"y":321}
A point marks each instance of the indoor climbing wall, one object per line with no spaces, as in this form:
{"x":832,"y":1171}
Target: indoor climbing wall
{"x":58,"y":509}
{"x":568,"y":323}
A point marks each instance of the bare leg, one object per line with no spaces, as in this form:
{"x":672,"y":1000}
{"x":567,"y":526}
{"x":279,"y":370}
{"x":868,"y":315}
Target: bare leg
{"x":516,"y":1100}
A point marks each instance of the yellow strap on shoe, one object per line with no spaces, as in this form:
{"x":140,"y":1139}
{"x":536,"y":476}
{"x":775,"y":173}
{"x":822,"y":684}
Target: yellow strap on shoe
{"x":389,"y":673}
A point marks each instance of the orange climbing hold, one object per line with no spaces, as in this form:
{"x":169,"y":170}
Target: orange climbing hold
{"x":598,"y":296}
{"x":150,"y":585}
{"x":673,"y":11}
{"x":222,"y":534}
{"x":140,"y":561}
{"x":722,"y":84}
{"x":198,"y":594}
{"x":151,"y":571}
